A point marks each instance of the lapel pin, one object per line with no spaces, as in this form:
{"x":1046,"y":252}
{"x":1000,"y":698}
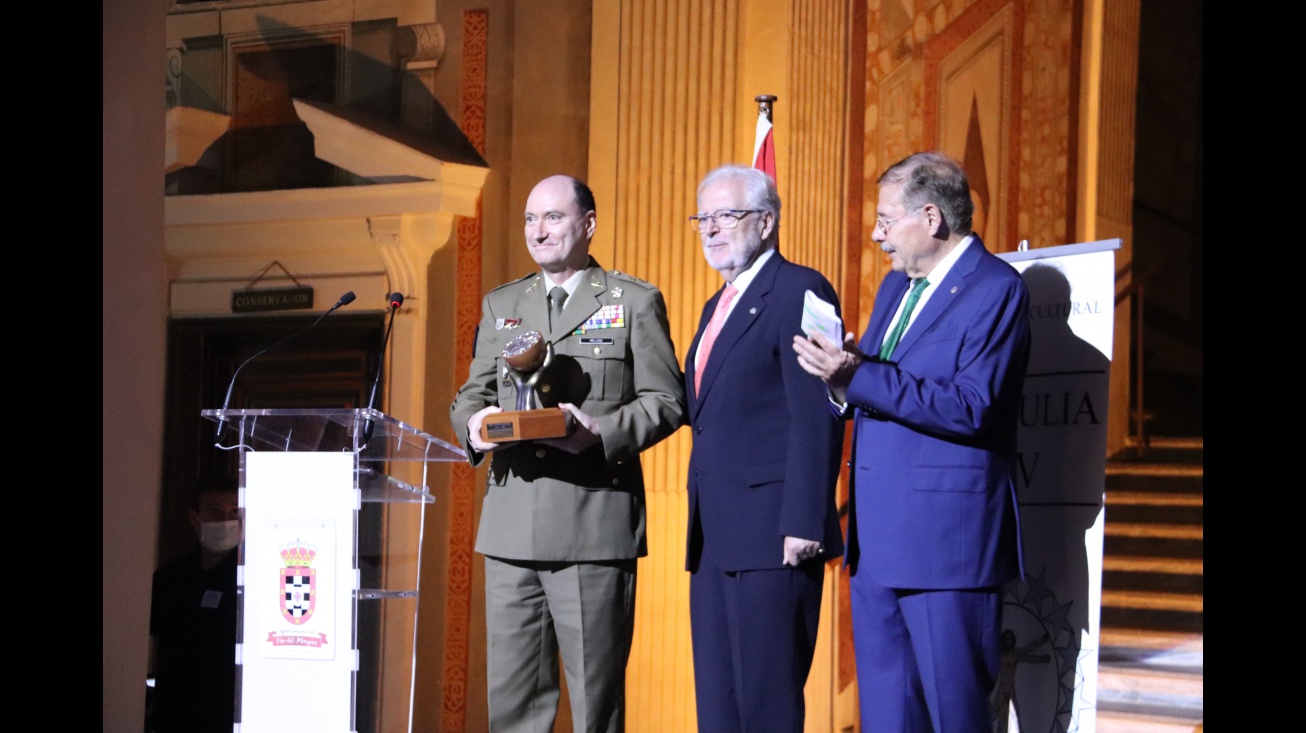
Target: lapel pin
{"x":954,"y":290}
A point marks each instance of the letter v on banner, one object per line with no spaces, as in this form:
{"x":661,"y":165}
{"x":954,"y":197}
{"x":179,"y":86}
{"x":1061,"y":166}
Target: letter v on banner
{"x":764,"y":144}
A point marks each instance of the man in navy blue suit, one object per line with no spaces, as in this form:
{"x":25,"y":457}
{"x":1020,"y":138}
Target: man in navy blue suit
{"x":933,"y":390}
{"x":762,"y":472}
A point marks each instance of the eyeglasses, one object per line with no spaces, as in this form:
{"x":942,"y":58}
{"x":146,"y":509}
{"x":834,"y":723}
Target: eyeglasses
{"x":726,"y":219}
{"x":884,"y":225}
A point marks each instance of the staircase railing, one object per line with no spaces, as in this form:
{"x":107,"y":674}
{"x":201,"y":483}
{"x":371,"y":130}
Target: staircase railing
{"x":1135,"y":291}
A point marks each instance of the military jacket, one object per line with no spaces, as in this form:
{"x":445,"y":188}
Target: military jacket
{"x":613,"y":359}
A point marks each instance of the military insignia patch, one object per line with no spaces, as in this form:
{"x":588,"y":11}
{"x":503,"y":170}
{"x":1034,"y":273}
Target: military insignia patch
{"x":616,"y":292}
{"x":609,"y":316}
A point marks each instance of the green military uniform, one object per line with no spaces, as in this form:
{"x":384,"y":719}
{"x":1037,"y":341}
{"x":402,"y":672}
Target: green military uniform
{"x":547,"y":509}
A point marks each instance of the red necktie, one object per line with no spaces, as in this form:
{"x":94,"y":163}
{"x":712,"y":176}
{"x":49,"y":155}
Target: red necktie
{"x":713,"y":328}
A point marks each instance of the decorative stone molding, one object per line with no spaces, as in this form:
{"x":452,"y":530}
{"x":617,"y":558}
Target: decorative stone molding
{"x":405,"y":258}
{"x":421,"y":46}
{"x":379,"y":152}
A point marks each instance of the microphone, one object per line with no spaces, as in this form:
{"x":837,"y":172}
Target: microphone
{"x":396,"y":299}
{"x":345,"y":299}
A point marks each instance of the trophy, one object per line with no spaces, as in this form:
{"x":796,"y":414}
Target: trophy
{"x":524,"y":360}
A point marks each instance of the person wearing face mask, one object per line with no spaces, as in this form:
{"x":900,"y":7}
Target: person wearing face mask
{"x":193,"y":619}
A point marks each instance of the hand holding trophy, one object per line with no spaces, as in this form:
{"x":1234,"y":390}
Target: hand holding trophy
{"x":525,"y":358}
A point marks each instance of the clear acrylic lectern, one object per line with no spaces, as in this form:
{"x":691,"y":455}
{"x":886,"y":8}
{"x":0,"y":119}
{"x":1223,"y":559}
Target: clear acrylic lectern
{"x":327,"y":583}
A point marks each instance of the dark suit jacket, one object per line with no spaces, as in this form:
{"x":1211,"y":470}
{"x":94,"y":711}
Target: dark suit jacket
{"x":543,"y":503}
{"x":933,"y":489}
{"x":766,"y":448}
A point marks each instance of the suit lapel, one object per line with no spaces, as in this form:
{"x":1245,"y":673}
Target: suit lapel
{"x":746,"y":312}
{"x":944,"y":296}
{"x":692,"y":355}
{"x":581,"y":304}
{"x":881,"y":317}
{"x":532,"y":305}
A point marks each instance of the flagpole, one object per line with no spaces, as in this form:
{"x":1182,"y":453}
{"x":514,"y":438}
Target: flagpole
{"x":764,"y":102}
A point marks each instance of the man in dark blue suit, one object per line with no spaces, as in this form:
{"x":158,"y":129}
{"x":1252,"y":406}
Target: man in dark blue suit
{"x":762,"y":472}
{"x":933,"y":390}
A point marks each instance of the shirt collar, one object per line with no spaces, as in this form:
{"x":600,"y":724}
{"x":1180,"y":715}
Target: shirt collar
{"x":570,"y":284}
{"x":942,"y":269}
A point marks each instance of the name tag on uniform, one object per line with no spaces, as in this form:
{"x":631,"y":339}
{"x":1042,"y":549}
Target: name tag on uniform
{"x":596,"y":340}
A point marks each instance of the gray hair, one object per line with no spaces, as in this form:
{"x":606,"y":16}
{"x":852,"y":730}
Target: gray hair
{"x":935,"y":178}
{"x":759,"y":189}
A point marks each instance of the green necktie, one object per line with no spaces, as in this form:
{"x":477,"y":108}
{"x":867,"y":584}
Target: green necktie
{"x":557,"y":296}
{"x":898,"y":328}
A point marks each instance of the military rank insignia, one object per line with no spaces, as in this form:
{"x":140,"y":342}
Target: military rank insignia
{"x":609,"y":316}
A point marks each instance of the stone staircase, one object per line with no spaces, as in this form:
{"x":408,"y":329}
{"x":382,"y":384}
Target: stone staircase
{"x":1150,"y":658}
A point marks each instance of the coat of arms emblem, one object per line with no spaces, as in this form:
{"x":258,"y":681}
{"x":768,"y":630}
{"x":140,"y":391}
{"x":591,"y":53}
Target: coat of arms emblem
{"x":298,"y":582}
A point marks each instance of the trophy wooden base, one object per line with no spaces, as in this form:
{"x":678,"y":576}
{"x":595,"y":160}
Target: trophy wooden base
{"x":548,"y":422}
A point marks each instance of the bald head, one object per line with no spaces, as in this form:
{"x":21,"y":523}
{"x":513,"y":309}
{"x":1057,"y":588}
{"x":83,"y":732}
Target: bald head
{"x":560,"y":223}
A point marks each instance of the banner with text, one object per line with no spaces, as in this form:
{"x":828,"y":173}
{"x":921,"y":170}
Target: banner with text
{"x":1048,"y":677}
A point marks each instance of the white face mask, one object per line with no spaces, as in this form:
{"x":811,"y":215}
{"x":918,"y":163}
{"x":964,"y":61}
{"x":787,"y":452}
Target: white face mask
{"x":220,"y":536}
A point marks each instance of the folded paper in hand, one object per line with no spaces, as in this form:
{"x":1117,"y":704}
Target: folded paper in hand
{"x":820,"y":317}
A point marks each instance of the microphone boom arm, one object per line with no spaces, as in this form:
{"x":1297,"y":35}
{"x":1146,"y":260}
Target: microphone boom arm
{"x":345,"y":299}
{"x":396,"y":300}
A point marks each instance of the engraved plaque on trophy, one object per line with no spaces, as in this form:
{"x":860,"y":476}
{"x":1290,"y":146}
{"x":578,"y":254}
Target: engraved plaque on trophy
{"x":524,"y":360}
